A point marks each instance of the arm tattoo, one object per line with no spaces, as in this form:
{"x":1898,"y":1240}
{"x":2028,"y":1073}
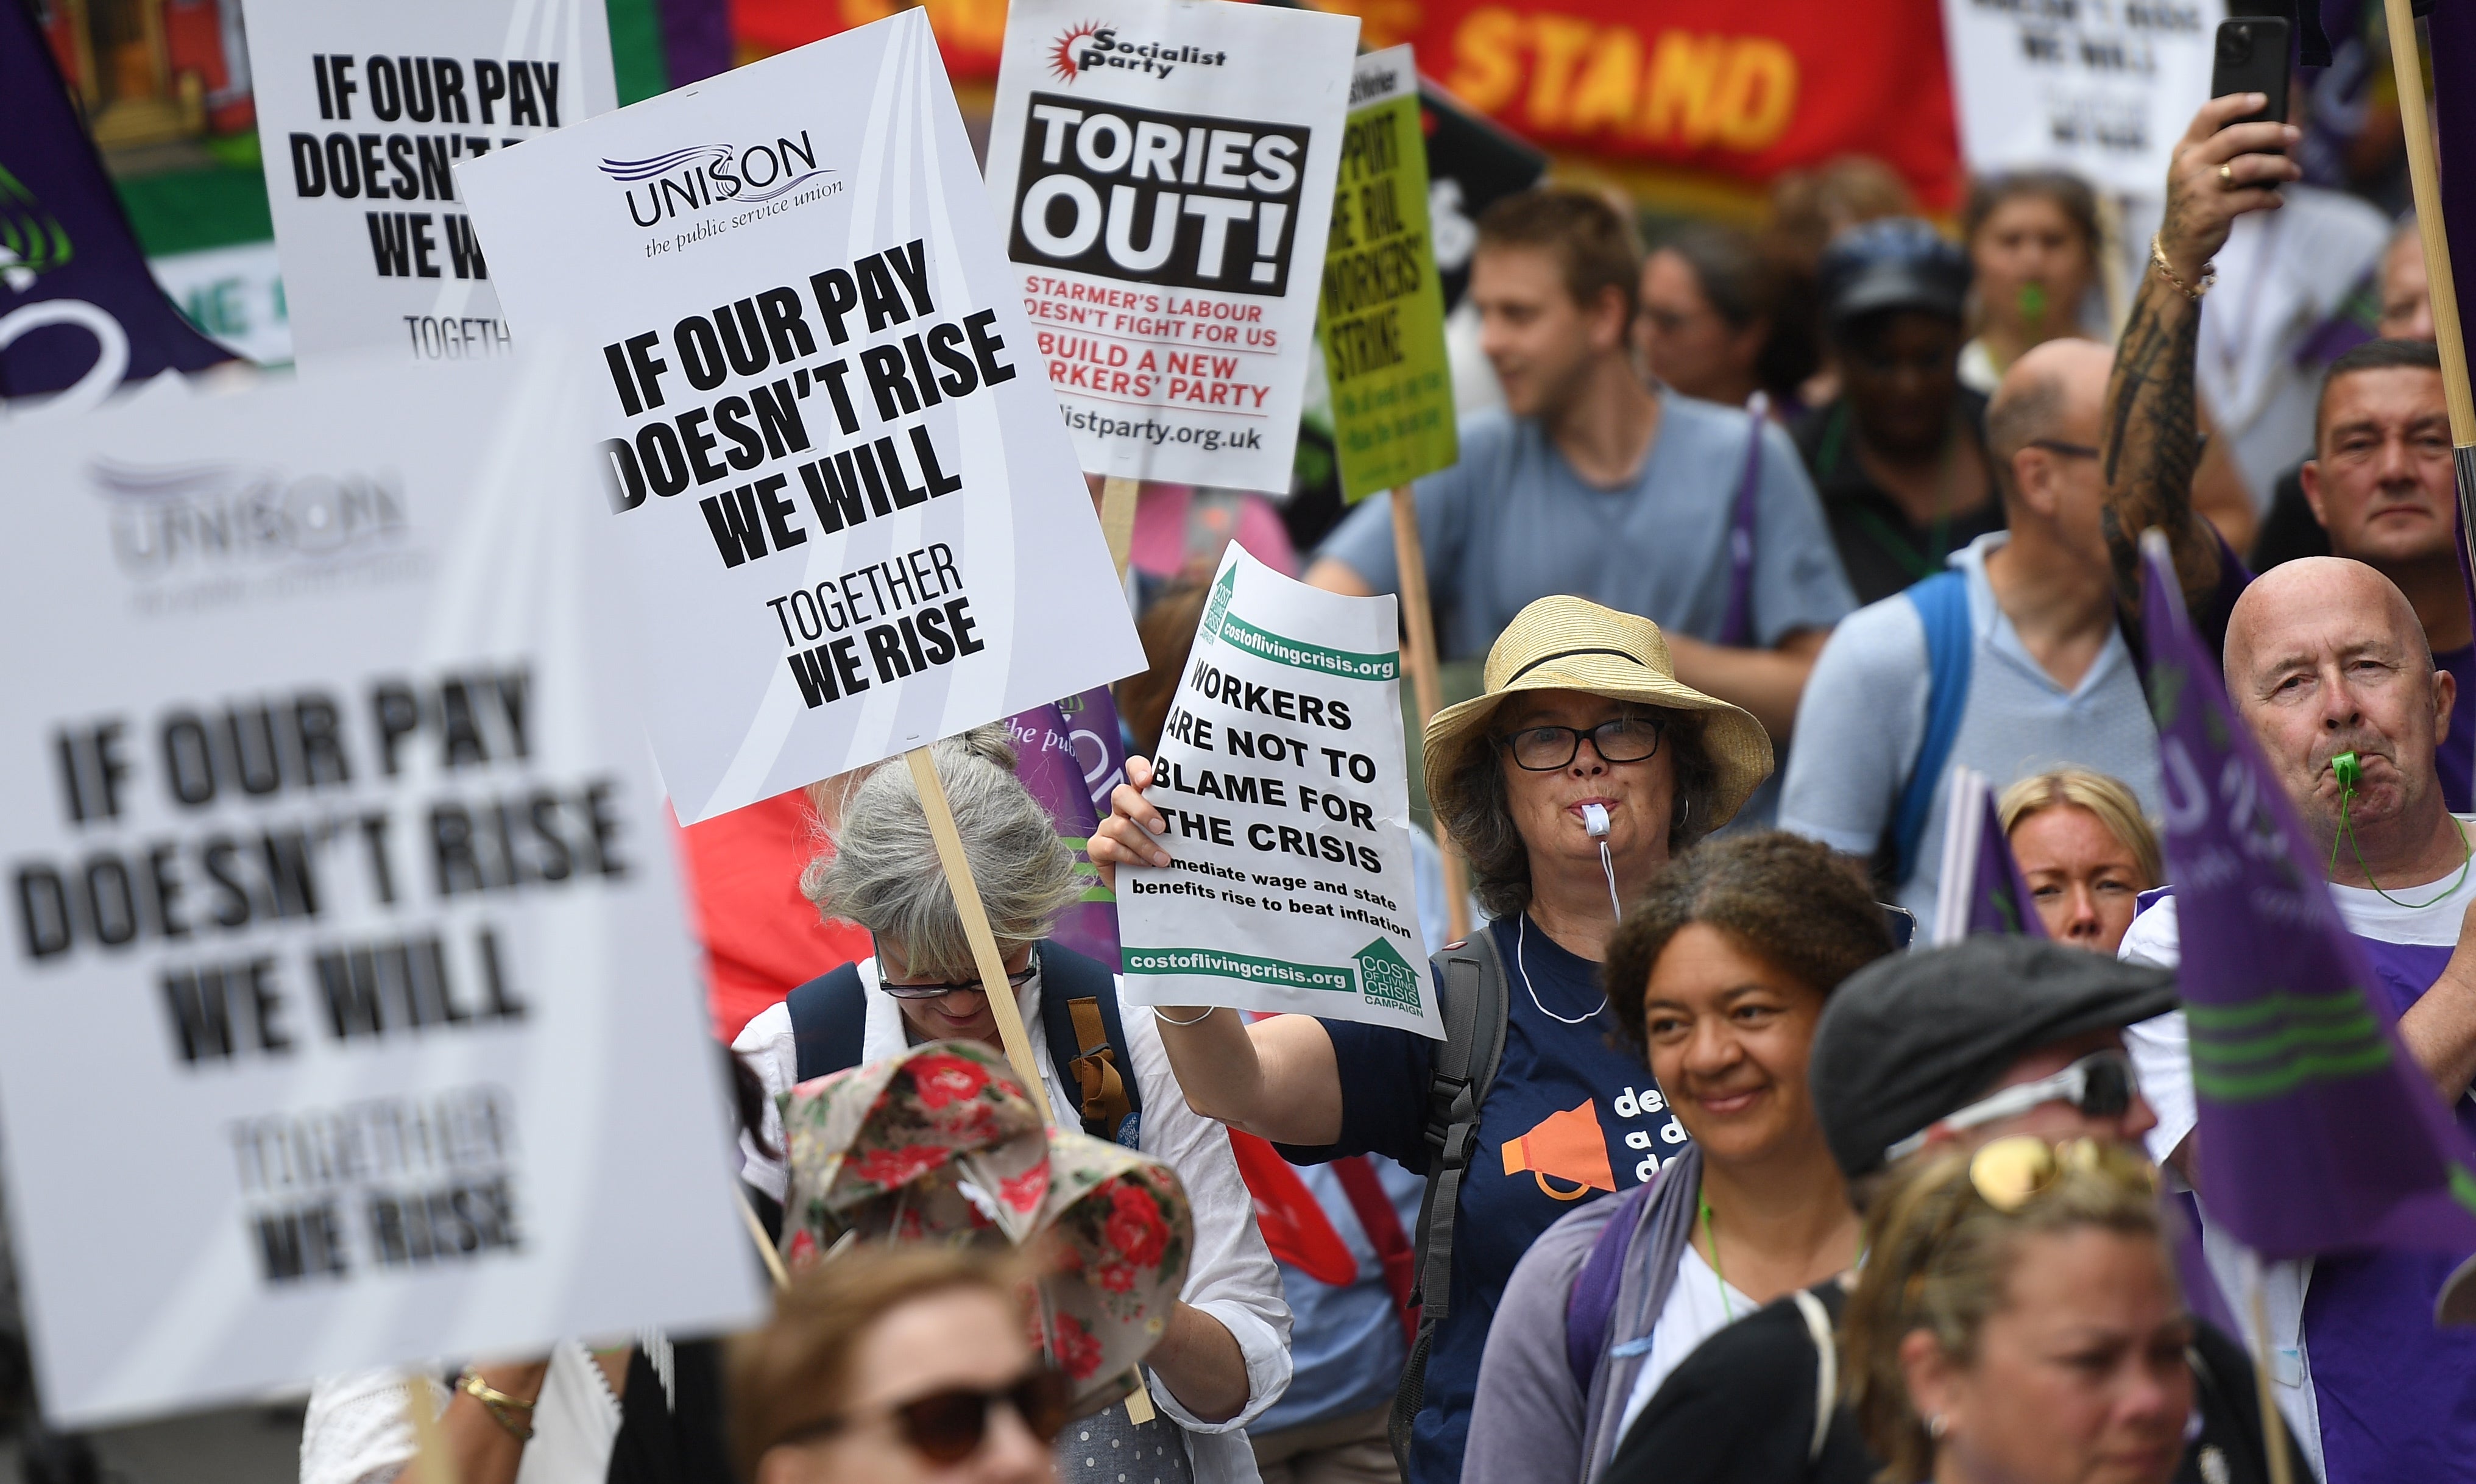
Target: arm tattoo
{"x":2151,"y":444}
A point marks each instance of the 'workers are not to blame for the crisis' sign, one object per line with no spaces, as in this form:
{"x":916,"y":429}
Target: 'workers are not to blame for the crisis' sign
{"x":363,"y":111}
{"x":834,"y":470}
{"x":1287,"y":803}
{"x":347,"y":1016}
{"x":1166,"y":169}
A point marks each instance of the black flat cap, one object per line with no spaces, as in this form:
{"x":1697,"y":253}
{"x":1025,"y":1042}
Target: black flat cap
{"x":1893,"y":262}
{"x":1915,"y":1037}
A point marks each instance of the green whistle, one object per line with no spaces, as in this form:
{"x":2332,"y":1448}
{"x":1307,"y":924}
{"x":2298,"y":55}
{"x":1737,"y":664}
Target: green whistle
{"x":2349,"y":771}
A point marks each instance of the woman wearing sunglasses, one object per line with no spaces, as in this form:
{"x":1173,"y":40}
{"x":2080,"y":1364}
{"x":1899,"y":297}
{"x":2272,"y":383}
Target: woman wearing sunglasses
{"x":1720,"y":972}
{"x":887,"y":1365}
{"x":2018,"y":1319}
{"x":1224,"y":1356}
{"x":1584,"y":768}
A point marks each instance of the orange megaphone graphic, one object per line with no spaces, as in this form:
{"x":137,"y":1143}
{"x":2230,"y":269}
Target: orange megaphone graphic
{"x":1566,"y":1146}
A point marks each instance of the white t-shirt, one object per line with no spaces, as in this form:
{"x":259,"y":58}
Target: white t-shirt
{"x":1694,"y":1312}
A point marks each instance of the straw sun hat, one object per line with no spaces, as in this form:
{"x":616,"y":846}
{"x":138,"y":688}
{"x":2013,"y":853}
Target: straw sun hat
{"x":1562,"y":643}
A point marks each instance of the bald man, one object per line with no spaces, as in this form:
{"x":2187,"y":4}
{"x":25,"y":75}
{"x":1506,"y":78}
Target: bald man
{"x":2050,"y":679}
{"x":2325,"y":656}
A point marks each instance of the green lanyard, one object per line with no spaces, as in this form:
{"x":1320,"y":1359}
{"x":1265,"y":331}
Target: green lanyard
{"x":2348,"y":771}
{"x":1726,"y":1309}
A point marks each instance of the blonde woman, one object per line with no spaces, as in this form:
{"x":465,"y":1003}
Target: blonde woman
{"x":2085,"y":850}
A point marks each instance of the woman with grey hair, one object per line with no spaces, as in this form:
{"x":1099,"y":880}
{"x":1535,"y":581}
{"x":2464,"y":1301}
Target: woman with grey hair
{"x":1224,"y":1356}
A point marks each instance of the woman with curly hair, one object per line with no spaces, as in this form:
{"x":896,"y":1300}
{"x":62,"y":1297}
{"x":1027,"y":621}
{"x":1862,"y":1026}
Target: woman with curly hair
{"x":1720,"y":972}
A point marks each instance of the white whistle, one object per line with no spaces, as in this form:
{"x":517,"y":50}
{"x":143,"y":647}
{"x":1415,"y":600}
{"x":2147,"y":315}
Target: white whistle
{"x":1594,"y":819}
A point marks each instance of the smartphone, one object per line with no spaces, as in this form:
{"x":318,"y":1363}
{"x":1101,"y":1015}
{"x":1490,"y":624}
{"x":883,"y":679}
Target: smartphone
{"x":2252,"y":56}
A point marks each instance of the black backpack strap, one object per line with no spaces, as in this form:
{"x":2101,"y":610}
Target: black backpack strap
{"x":1472,"y":993}
{"x":1099,"y":1067}
{"x":830,"y":1022}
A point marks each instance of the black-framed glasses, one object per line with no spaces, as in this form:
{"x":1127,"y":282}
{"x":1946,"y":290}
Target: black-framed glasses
{"x":2101,"y":1085}
{"x":1619,"y":739}
{"x":2062,"y":449}
{"x":932,"y":989}
{"x":948,"y":1426}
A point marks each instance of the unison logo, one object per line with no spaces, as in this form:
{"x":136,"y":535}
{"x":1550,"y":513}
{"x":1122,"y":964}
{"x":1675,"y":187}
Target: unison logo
{"x":703,"y":176}
{"x":1092,"y":44}
{"x":166,"y":517}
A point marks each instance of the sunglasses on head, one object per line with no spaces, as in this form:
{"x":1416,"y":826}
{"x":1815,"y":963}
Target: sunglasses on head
{"x":950,"y":1425}
{"x":2101,"y":1085}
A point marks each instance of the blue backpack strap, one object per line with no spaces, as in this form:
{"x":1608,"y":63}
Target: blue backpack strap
{"x":828,"y":1021}
{"x":1066,"y":978}
{"x":1593,"y":1302}
{"x":1941,"y":602}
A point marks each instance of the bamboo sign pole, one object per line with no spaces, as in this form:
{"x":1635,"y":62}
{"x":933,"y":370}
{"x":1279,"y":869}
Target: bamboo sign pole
{"x":1118,"y":519}
{"x":1410,"y":556}
{"x":2424,"y":175}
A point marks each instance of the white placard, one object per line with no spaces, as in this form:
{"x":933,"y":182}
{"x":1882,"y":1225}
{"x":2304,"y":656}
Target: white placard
{"x":1165,"y":171}
{"x":347,"y":1016}
{"x":2103,"y":90}
{"x":364,"y":111}
{"x":852,"y":520}
{"x":1287,"y":803}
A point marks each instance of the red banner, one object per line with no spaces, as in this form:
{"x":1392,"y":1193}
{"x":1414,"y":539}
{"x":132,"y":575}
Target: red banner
{"x":1720,"y":86}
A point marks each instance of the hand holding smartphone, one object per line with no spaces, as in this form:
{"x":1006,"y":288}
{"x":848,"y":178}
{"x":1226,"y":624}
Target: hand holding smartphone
{"x":2252,"y":56}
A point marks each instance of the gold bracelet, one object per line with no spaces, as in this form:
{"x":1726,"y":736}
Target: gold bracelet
{"x":2166,"y":271}
{"x":513,"y":1414}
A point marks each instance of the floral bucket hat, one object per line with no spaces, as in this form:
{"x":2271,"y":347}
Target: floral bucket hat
{"x":941,"y":1143}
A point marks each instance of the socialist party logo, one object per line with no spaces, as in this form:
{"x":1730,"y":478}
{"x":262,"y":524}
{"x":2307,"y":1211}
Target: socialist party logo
{"x":1092,"y":44}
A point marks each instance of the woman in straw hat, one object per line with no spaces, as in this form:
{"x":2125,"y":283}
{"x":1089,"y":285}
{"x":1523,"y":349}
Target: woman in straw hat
{"x":1568,"y":784}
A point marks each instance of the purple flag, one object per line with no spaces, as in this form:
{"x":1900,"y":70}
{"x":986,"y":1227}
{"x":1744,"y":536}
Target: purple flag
{"x":2452,"y":37}
{"x":1046,"y":760}
{"x":1999,"y":898}
{"x":696,"y":39}
{"x":77,"y":307}
{"x":2301,"y":1082}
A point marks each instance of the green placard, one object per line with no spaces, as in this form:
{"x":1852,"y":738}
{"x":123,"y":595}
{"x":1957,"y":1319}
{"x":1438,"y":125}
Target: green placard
{"x":1381,"y":317}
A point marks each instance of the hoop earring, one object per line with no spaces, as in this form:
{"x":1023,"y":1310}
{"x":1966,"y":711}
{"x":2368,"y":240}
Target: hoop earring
{"x":1684,"y":811}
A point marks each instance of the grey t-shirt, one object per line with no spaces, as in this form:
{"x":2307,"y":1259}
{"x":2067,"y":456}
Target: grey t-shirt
{"x":1512,"y":523}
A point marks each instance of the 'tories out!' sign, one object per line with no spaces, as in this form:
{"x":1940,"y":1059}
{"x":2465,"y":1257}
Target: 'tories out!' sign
{"x":1166,"y":172}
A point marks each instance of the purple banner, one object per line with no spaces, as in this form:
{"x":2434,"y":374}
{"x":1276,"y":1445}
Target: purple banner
{"x":696,"y":39}
{"x":1100,"y":743}
{"x":77,"y":307}
{"x":2302,"y":1084}
{"x":1998,"y":898}
{"x":1045,"y":744}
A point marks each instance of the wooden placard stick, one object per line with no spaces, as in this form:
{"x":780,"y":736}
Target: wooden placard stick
{"x":976,"y":924}
{"x":432,"y":1463}
{"x":1410,"y":556}
{"x":992,"y":965}
{"x":1117,"y":520}
{"x":2424,"y":176}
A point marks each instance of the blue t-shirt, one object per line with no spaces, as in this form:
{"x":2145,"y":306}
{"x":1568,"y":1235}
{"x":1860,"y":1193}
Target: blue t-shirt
{"x":1570,"y":1117}
{"x":1512,"y":523}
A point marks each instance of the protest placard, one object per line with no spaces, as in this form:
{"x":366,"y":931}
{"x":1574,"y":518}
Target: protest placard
{"x":364,"y":111}
{"x":1381,"y":318}
{"x":348,"y":1016}
{"x":851,"y":520}
{"x":2102,"y":91}
{"x":1165,"y":170}
{"x":1473,"y":162}
{"x":1282,"y":783}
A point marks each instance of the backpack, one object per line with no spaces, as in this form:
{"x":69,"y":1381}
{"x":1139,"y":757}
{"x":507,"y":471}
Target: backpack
{"x":1471,"y":995}
{"x":1941,"y":602}
{"x":1079,"y":1013}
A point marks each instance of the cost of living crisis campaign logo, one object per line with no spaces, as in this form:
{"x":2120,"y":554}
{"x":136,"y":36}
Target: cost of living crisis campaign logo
{"x":1093,"y":45}
{"x":221,"y":516}
{"x":700,"y":178}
